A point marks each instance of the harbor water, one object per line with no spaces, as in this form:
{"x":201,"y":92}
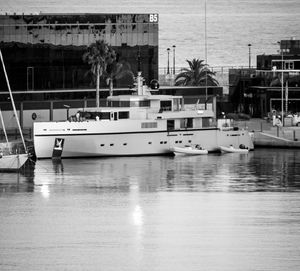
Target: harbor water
{"x":210,"y":212}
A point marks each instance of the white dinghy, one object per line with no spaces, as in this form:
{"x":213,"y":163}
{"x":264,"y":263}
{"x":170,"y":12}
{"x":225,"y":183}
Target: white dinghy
{"x":189,"y":150}
{"x":231,"y":149}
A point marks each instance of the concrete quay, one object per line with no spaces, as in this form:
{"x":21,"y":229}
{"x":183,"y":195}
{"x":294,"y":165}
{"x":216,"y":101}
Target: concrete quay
{"x":267,"y":135}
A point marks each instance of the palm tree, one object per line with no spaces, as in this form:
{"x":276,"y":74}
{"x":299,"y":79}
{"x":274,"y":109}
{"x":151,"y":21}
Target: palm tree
{"x":115,"y":71}
{"x":99,"y":55}
{"x":198,"y":74}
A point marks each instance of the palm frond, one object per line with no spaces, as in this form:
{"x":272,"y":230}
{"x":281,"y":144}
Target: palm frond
{"x":198,"y":74}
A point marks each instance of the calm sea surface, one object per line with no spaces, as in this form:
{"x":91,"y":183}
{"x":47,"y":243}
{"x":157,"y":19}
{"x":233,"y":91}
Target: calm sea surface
{"x":231,"y":24}
{"x":214,"y":212}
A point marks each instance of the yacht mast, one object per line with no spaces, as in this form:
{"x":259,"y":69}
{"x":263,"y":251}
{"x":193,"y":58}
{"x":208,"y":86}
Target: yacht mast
{"x":12,"y":101}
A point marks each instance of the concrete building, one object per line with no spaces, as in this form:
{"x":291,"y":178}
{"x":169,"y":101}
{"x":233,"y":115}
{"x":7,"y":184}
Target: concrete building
{"x":273,"y":85}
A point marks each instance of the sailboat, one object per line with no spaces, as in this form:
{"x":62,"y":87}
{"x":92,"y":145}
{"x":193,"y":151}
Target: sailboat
{"x":11,"y":161}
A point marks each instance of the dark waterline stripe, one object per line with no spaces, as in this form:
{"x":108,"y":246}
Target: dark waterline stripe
{"x":125,"y":133}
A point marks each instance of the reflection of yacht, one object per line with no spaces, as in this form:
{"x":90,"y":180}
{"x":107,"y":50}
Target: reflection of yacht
{"x":141,"y":124}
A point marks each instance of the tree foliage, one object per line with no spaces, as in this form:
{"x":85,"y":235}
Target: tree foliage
{"x":198,"y":74}
{"x":98,"y":55}
{"x":115,"y":71}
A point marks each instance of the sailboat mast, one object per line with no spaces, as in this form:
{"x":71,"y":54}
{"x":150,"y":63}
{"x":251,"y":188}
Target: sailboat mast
{"x":12,"y":101}
{"x":3,"y":126}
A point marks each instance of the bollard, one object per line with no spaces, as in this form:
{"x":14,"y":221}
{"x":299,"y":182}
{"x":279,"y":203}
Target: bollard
{"x":277,"y":131}
{"x":261,"y":126}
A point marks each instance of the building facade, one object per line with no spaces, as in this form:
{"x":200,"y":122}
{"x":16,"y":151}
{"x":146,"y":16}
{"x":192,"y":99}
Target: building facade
{"x":273,"y":85}
{"x":44,"y":51}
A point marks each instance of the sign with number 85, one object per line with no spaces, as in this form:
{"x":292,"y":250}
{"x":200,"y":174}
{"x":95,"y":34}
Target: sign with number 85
{"x":153,"y":18}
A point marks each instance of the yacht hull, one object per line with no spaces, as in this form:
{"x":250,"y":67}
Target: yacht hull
{"x":92,"y":139}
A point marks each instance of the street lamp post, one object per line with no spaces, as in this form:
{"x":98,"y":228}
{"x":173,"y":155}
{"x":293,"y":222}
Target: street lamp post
{"x":249,"y":45}
{"x":168,"y":67}
{"x":282,"y":66}
{"x":174,"y":59}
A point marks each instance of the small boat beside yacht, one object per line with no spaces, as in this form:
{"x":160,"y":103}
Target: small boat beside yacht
{"x":232,"y":149}
{"x":189,"y":150}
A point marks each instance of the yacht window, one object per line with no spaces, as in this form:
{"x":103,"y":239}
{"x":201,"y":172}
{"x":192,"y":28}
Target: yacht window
{"x":166,"y":105}
{"x":115,"y":115}
{"x":177,"y":105}
{"x":115,"y":104}
{"x":124,"y":104}
{"x":207,"y":122}
{"x":105,"y":115}
{"x":149,"y":124}
{"x":118,"y":104}
{"x":140,"y":103}
{"x":186,"y":123}
{"x":123,"y":115}
{"x":170,"y":124}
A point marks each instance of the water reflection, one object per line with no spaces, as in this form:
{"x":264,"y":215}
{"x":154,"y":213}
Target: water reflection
{"x":23,"y":181}
{"x":261,"y":170}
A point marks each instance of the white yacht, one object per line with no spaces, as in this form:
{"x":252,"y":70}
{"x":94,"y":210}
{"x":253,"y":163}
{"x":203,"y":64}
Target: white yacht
{"x":130,"y":125}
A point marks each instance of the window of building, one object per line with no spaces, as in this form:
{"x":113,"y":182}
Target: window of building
{"x":289,"y":65}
